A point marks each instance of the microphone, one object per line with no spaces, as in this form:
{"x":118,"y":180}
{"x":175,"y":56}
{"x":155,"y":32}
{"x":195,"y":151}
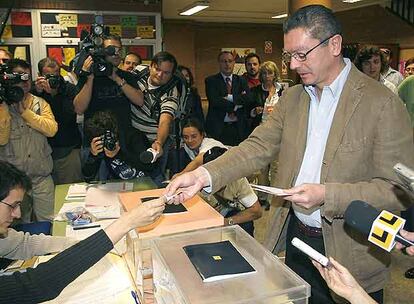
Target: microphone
{"x":149,"y":156}
{"x":382,"y":227}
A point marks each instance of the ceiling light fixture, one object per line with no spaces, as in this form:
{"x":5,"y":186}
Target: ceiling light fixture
{"x":280,"y":16}
{"x":350,"y":1}
{"x":194,"y":8}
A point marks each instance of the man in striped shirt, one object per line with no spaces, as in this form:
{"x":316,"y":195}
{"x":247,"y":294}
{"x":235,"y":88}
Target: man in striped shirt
{"x":164,"y":95}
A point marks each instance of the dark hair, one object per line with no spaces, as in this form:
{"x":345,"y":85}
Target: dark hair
{"x":181,"y":68}
{"x":195,"y":123}
{"x":162,"y":56}
{"x":409,"y":61}
{"x":99,"y":123}
{"x":252,"y":55}
{"x":224,"y":52}
{"x":11,"y":178}
{"x":213,"y":153}
{"x":134,"y":54}
{"x":365,"y":53}
{"x":318,"y":20}
{"x":47,"y":62}
{"x":16,"y":62}
{"x":113,"y":37}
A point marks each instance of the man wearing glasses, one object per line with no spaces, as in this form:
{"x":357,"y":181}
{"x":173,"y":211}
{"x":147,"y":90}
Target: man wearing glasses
{"x":19,"y":245}
{"x":24,"y":128}
{"x":337,"y":137}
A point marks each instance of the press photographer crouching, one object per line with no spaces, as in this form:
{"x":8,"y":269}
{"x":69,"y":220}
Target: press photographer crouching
{"x":119,"y":151}
{"x":65,"y":145}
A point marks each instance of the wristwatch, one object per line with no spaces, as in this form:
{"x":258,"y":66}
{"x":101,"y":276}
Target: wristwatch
{"x":230,"y":221}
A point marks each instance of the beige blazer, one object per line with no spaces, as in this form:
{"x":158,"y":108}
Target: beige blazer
{"x":370,"y":133}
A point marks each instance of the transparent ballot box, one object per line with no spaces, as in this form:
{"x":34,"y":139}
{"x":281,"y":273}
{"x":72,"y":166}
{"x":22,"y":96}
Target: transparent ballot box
{"x":176,"y":281}
{"x":198,"y":215}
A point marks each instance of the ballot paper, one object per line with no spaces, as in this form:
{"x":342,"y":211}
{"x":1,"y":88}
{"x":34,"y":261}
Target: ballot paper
{"x":270,"y":190}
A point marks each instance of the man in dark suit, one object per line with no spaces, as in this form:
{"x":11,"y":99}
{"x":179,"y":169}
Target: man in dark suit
{"x":225,"y":93}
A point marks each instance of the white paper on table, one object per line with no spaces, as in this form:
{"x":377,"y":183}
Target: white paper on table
{"x":270,"y":190}
{"x":103,"y":204}
{"x":76,"y":191}
{"x":115,"y":187}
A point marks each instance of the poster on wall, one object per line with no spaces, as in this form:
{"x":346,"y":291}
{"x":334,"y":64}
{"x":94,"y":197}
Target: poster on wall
{"x":18,"y":25}
{"x":239,"y":54}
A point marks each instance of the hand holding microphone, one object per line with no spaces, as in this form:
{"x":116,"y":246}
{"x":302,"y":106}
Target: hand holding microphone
{"x":151,"y":154}
{"x":383,"y":228}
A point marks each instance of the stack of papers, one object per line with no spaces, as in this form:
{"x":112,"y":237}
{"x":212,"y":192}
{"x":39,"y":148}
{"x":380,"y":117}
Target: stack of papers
{"x":102,"y":204}
{"x":76,"y":192}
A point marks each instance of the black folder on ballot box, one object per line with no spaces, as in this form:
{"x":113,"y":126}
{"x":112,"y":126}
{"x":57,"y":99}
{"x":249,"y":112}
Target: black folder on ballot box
{"x":217,"y":261}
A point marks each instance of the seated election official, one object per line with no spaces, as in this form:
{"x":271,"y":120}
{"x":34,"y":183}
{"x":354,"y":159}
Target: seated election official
{"x":195,"y":145}
{"x":47,"y":280}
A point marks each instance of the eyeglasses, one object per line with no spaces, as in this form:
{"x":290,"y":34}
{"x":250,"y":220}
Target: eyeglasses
{"x":12,"y":206}
{"x":299,"y":56}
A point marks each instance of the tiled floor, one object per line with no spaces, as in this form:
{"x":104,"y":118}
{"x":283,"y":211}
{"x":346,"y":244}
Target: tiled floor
{"x":398,"y":291}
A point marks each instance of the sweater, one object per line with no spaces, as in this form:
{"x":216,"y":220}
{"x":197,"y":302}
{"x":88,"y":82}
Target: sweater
{"x":47,"y":280}
{"x":20,"y":245}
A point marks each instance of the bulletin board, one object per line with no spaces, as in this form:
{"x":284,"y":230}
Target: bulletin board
{"x":21,"y":51}
{"x":19,"y":25}
{"x":64,"y":25}
{"x":145,"y":51}
{"x":62,"y":54}
{"x":35,"y":34}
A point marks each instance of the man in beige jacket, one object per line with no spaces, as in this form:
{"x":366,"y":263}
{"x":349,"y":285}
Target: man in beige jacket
{"x":24,"y":128}
{"x":337,"y":137}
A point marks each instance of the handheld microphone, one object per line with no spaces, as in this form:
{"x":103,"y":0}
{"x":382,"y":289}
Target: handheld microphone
{"x":149,"y":156}
{"x":382,"y":227}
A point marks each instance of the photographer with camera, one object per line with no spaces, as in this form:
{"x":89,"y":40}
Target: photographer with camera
{"x":25,"y":123}
{"x":165,"y":92}
{"x":65,"y":145}
{"x":104,"y":86}
{"x":120,"y":152}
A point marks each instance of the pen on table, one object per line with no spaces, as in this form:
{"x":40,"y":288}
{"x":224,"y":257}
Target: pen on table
{"x":134,"y":295}
{"x":86,"y":227}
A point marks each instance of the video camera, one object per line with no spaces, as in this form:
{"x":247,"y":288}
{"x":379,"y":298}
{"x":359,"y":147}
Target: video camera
{"x":92,"y":45}
{"x":9,"y":93}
